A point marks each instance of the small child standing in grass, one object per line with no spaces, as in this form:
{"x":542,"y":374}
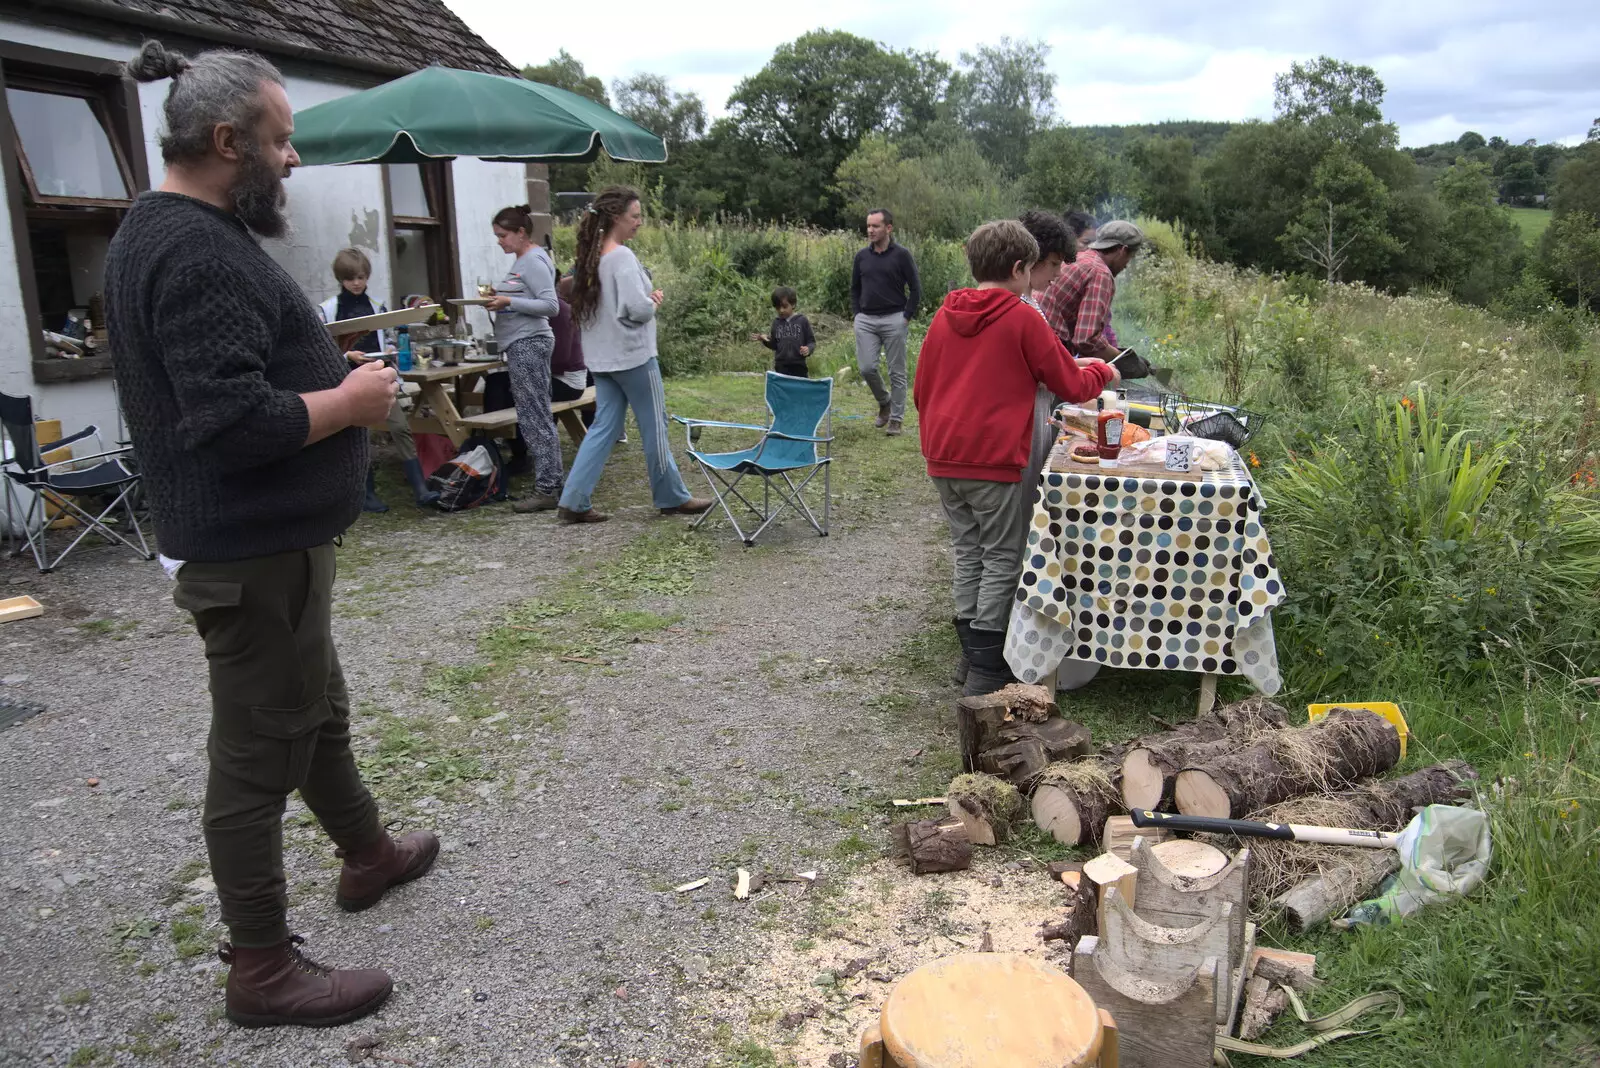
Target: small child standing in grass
{"x":791,"y":339}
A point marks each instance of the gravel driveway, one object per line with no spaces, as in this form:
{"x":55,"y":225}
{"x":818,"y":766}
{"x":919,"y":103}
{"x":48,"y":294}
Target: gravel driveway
{"x":588,"y":716}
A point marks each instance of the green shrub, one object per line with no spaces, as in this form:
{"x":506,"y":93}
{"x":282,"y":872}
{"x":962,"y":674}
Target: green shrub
{"x":1410,"y":534}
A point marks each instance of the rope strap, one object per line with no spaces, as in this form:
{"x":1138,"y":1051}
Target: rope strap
{"x":1329,"y":1028}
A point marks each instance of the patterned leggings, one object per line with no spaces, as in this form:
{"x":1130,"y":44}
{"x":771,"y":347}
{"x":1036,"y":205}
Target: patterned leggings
{"x":528,"y":360}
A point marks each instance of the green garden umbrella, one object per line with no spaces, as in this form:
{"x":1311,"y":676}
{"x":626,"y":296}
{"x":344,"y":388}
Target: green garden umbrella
{"x":441,"y":113}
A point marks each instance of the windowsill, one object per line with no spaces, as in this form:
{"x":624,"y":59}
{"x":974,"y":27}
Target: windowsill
{"x":59,"y":370}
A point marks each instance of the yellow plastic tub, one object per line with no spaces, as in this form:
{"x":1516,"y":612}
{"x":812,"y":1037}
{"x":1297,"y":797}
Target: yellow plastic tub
{"x":1387,"y":709}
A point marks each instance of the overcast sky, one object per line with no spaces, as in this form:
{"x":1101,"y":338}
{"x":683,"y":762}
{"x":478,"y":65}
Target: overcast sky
{"x":1518,"y":70}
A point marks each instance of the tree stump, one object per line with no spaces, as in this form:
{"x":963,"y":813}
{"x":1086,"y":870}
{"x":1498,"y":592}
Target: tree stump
{"x":935,"y":845}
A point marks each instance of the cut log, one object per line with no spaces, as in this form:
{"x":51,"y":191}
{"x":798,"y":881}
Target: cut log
{"x":1338,"y":886}
{"x":1104,"y":872}
{"x":1344,"y":746}
{"x":1263,"y":1002}
{"x":1073,"y":801}
{"x":1080,"y":919}
{"x":935,"y":845}
{"x":1019,"y":752}
{"x":1152,"y":764}
{"x":1187,"y":859}
{"x":1297,"y":970}
{"x":1380,"y":805}
{"x":977,"y":718}
{"x":1117,"y":838}
{"x":988,"y":806}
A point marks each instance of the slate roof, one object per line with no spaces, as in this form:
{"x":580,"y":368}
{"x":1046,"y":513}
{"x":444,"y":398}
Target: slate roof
{"x":405,"y":33}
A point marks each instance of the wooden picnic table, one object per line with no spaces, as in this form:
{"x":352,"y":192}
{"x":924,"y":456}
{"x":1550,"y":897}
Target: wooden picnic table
{"x":447,"y":391}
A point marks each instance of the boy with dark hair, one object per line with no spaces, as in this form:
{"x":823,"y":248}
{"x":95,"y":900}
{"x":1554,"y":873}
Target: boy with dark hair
{"x":352,"y":269}
{"x":791,"y":339}
{"x":984,"y":356}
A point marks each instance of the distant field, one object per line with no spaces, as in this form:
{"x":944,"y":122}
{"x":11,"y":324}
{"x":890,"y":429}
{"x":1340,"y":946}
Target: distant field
{"x":1532,"y":222}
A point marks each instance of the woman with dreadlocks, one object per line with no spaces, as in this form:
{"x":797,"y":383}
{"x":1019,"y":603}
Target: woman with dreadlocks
{"x":614,"y":305}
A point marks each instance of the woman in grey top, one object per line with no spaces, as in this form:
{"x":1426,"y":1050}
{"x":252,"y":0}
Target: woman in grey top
{"x":614,"y":305}
{"x":524,"y":303}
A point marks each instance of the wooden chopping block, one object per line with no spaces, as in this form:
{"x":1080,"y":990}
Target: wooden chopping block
{"x":984,"y":1010}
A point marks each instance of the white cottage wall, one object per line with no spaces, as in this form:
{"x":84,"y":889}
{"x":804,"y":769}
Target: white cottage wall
{"x":330,"y":208}
{"x":482,"y":189}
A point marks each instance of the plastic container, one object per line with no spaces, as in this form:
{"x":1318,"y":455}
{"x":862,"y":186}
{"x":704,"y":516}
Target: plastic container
{"x":1387,"y":709}
{"x":402,"y":345}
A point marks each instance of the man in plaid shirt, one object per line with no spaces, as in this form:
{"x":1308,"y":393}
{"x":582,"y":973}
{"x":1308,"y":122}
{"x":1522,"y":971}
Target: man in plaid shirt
{"x":1078,"y":302}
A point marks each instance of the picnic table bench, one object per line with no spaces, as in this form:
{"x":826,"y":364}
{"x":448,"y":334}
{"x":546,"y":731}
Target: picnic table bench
{"x":447,"y":389}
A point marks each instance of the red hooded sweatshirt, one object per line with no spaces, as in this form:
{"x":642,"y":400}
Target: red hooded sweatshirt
{"x":984,"y":356}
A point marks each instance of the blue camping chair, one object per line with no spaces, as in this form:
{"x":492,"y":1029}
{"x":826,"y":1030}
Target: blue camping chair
{"x":788,"y":456}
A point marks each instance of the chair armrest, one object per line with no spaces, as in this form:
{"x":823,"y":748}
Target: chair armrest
{"x":84,"y":459}
{"x":800,"y":437}
{"x":713,"y":422}
{"x":51,"y":446}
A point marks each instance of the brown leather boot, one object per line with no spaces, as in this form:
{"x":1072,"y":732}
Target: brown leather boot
{"x":692,"y":506}
{"x":371,"y":870}
{"x":588,"y":515}
{"x":278,"y":986}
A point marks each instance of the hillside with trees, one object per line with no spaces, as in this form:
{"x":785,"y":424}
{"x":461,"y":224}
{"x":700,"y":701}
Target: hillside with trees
{"x":834,"y":123}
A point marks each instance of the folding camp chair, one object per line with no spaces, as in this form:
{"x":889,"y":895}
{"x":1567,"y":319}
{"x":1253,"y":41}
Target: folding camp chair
{"x":788,"y":456}
{"x":110,"y":481}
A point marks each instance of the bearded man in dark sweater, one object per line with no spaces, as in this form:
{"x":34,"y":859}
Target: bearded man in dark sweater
{"x":249,"y":428}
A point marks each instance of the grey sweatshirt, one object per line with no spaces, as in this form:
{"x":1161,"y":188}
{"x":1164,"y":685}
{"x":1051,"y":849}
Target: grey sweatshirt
{"x":531,"y":285}
{"x":622,"y":333}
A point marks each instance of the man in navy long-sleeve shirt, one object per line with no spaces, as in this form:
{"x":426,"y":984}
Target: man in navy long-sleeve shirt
{"x":884,"y":294}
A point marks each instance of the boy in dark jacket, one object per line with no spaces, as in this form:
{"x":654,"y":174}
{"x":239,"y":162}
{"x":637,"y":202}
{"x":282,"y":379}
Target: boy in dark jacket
{"x":985,"y":355}
{"x":791,"y":340}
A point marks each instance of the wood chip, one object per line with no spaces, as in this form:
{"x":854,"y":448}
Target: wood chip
{"x":686,"y":887}
{"x":902,"y":803}
{"x":586,"y":660}
{"x":742,"y":889}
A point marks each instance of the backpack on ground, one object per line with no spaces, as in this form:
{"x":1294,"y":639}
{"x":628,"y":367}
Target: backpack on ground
{"x":474,"y":476}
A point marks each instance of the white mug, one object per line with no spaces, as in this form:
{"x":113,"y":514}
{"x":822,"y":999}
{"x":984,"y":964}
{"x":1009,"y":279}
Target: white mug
{"x":1181,"y":453}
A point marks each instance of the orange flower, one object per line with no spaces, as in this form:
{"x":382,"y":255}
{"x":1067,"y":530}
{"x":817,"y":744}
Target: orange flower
{"x":1254,"y":462}
{"x":1407,"y":403}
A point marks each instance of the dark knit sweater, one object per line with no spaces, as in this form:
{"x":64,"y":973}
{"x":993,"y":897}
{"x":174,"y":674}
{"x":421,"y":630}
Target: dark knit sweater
{"x":213,"y":343}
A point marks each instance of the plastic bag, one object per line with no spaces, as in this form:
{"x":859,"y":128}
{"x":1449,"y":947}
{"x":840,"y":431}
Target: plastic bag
{"x":1444,"y":851}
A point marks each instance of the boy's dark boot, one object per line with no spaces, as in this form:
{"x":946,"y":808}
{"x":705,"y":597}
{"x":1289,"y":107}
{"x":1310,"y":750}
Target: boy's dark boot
{"x":883,"y":416}
{"x":373,"y":502}
{"x":373,"y":869}
{"x":987,"y":670}
{"x":419,"y":485}
{"x":278,"y":986}
{"x":964,"y":636}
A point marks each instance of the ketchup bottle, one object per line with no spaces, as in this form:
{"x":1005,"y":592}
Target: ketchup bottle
{"x":1108,"y":430}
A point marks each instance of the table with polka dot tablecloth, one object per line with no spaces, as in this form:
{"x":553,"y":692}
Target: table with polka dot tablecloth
{"x":1138,"y":571}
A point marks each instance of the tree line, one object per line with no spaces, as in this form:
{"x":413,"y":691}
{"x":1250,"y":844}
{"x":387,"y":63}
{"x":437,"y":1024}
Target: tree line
{"x":834,"y":124}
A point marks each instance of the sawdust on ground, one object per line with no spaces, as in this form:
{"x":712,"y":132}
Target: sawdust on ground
{"x":812,"y":996}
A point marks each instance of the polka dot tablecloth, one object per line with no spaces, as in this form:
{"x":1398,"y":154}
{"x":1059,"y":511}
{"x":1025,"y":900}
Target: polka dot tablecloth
{"x":1144,"y":572}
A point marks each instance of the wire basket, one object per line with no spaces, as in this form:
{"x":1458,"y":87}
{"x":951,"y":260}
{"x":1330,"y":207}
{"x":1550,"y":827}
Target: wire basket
{"x":1205,"y":419}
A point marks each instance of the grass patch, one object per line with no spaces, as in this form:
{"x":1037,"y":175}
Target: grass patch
{"x":1532,"y":222}
{"x":115,"y":629}
{"x":76,"y":998}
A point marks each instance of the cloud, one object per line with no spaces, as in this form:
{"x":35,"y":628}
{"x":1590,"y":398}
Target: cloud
{"x":1517,"y":70}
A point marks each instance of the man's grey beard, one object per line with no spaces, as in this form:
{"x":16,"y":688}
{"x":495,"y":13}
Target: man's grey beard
{"x":258,"y":194}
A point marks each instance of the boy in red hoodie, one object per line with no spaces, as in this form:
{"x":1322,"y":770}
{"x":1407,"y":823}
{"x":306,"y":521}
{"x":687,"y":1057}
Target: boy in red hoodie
{"x":985,"y":355}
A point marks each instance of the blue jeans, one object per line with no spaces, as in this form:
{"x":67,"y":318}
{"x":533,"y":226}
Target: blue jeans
{"x":614,"y":392}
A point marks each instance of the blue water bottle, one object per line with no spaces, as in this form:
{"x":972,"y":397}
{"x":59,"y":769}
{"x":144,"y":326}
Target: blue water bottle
{"x":402,"y":346}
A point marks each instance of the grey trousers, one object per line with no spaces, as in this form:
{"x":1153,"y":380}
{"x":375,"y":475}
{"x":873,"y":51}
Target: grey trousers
{"x":883,"y":336}
{"x":988,"y":530}
{"x":528,"y":360}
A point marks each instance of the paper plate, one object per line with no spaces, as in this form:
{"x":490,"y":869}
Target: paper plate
{"x":382,"y":321}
